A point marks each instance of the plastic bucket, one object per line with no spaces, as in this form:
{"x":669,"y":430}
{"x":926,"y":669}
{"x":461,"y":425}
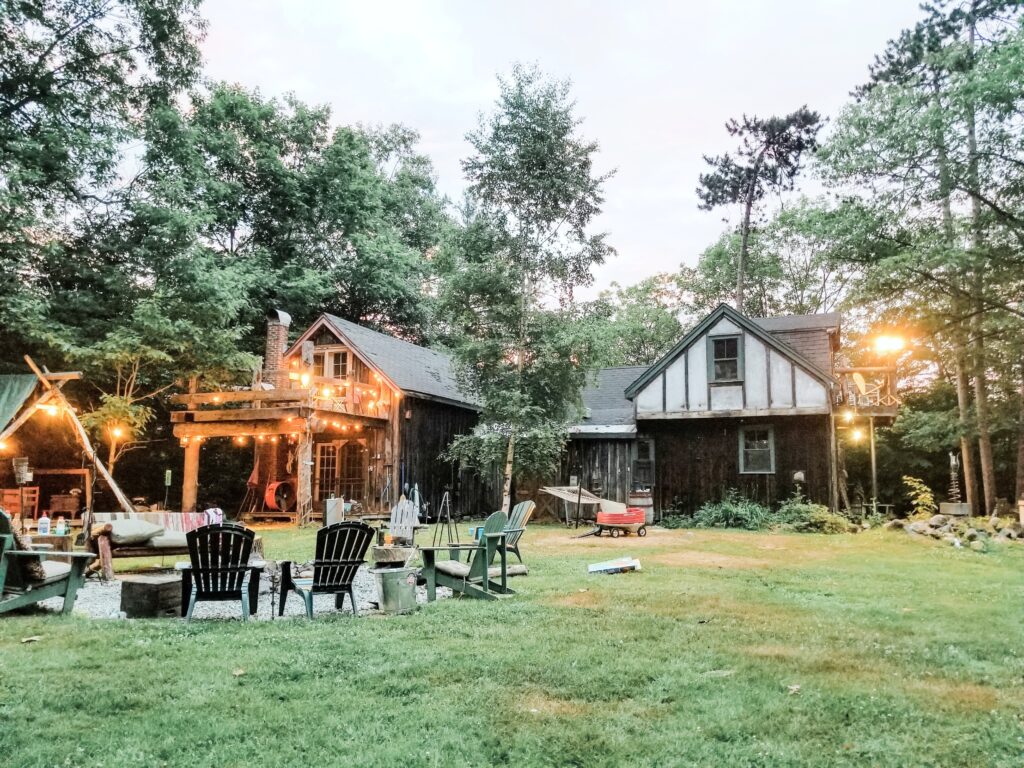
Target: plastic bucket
{"x":396,"y":589}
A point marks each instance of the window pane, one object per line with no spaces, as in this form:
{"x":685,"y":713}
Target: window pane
{"x":757,"y":461}
{"x":318,"y":364}
{"x":726,"y":370}
{"x":340,"y":364}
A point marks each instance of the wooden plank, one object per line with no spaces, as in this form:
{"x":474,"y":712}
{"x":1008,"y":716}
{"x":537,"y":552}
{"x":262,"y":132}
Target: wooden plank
{"x":234,"y":429}
{"x":240,"y":414}
{"x":736,"y":413}
{"x":242,"y":396}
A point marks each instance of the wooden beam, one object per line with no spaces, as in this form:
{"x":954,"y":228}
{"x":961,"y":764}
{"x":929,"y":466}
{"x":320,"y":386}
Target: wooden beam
{"x":235,"y":429}
{"x":240,"y":414}
{"x":190,"y":478}
{"x":243,"y":396}
{"x":27,"y":413}
{"x":63,"y":376}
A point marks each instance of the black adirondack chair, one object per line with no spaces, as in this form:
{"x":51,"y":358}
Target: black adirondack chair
{"x":220,"y":567}
{"x":340,"y":549}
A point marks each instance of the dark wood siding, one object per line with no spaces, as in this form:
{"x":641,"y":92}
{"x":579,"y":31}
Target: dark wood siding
{"x":423,"y":436}
{"x":604,"y":467}
{"x":697,"y":460}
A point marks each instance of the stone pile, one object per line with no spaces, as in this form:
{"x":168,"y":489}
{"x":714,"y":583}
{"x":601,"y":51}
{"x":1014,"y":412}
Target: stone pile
{"x":974,"y":532}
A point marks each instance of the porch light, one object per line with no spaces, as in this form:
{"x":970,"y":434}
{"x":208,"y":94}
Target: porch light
{"x":857,"y":435}
{"x":848,"y":416}
{"x":889,"y":345}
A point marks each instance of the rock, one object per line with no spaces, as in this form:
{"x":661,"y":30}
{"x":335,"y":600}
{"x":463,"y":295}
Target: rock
{"x":918,"y":527}
{"x":935,"y":533}
{"x":893,"y":525}
{"x":947,"y":528}
{"x":952,"y":540}
{"x":973,"y":534}
{"x":937,"y":521}
{"x":1008,"y":533}
{"x":978,"y":546}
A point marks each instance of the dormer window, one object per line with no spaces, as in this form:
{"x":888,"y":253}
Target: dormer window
{"x":339,"y":362}
{"x":725,"y":354}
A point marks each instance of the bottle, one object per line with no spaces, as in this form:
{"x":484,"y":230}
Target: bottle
{"x":60,"y":528}
{"x":43,"y":526}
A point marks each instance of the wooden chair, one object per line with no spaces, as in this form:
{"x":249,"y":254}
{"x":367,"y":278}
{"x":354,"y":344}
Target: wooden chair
{"x":517,"y":520}
{"x":403,"y":524}
{"x":340,"y":549}
{"x":475,"y":578}
{"x":18,"y":589}
{"x":220,"y":568}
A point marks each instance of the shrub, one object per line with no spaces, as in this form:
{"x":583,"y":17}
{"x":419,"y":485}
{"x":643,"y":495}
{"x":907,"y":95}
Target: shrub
{"x":734,"y":511}
{"x":921,"y":497}
{"x":675,"y":521}
{"x":798,"y":514}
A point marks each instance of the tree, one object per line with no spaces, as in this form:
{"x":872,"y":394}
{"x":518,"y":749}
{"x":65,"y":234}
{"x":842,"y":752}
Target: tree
{"x":510,"y":270}
{"x":931,"y":133}
{"x":636,"y":324}
{"x":768,"y":159}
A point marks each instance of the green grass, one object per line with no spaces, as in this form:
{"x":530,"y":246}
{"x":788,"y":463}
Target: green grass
{"x":906,"y":654}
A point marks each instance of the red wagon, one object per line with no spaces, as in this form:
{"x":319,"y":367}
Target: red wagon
{"x":632,"y":520}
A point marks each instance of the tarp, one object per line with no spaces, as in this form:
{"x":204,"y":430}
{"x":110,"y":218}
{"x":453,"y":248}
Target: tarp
{"x":14,"y":391}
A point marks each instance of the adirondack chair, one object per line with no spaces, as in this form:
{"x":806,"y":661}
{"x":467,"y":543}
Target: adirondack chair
{"x":521,"y":514}
{"x":475,"y":578}
{"x":403,"y":523}
{"x":340,"y":549}
{"x":220,"y":568}
{"x":17,"y":589}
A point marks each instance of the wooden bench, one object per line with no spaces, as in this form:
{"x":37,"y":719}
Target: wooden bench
{"x":106,"y":550}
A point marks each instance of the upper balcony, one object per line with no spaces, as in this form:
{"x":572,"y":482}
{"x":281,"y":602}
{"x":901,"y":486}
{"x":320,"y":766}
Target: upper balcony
{"x":869,"y":390}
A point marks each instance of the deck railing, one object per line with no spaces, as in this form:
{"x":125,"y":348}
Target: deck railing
{"x":868,"y":388}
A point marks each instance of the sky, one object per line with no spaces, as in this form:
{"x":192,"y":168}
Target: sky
{"x":654,"y":82}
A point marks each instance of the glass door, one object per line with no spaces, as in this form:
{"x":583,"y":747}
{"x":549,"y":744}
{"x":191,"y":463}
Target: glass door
{"x":325,"y":483}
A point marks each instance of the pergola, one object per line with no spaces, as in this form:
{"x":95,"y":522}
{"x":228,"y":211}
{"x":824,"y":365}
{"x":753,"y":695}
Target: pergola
{"x":16,"y":409}
{"x":262,"y":415}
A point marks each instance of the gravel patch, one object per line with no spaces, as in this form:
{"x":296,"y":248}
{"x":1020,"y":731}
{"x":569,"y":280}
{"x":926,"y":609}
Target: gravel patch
{"x":102,"y":600}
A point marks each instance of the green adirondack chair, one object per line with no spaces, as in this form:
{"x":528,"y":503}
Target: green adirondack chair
{"x":18,"y":589}
{"x":477,"y":577}
{"x":521,"y":514}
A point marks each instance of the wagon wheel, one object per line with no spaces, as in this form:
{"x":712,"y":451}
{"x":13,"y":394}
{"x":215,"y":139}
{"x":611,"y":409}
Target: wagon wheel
{"x":641,"y":531}
{"x":615,"y":533}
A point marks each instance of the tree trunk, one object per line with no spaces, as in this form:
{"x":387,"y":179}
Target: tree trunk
{"x":988,"y":472}
{"x":963,"y":401}
{"x":506,"y":491}
{"x":1020,"y":444}
{"x":741,"y":260}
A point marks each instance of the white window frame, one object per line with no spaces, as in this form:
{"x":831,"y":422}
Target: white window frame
{"x":771,"y":449}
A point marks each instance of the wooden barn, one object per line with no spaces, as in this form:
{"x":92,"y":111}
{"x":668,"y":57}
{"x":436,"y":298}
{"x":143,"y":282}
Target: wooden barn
{"x":737,"y":403}
{"x":342,"y":411}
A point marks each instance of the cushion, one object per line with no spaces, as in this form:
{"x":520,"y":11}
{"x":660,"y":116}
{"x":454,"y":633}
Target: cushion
{"x":31,"y":567}
{"x":513,"y":570}
{"x":133,"y":531}
{"x":55,"y":571}
{"x":169,"y":540}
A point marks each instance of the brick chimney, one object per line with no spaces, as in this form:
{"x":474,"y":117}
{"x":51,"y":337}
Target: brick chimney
{"x":277,"y":342}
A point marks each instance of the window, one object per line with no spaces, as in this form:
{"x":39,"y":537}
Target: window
{"x":757,"y":450}
{"x":643,"y":463}
{"x":340,"y":368}
{"x":725,"y":358}
{"x":318,"y":364}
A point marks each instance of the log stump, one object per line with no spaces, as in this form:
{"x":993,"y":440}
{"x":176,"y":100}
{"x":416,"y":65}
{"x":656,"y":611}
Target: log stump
{"x":148,"y":597}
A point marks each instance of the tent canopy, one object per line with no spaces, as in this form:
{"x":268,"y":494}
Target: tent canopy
{"x":15,"y":390}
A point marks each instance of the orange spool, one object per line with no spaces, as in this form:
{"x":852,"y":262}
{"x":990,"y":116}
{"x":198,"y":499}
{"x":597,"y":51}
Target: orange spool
{"x":280,"y":496}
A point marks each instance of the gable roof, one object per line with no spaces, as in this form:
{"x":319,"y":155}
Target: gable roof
{"x":750,"y":326}
{"x":413,"y":369}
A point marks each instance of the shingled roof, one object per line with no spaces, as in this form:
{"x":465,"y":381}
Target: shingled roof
{"x":414,"y":369}
{"x":607,"y":409}
{"x":784,"y":323}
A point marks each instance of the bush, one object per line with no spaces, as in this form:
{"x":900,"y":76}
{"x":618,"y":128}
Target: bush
{"x":734,"y":511}
{"x":921,"y":497}
{"x":798,"y":514}
{"x":675,"y":521}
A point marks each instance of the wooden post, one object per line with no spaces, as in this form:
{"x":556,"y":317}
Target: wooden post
{"x":190,"y":472}
{"x":303,"y":475}
{"x":874,"y":465}
{"x":833,"y":485}
{"x":190,"y":477}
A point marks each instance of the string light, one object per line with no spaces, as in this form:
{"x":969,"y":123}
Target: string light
{"x":3,"y":445}
{"x":117,"y":432}
{"x":304,"y":379}
{"x":848,"y":416}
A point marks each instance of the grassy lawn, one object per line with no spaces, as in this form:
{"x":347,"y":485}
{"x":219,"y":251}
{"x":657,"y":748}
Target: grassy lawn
{"x":905,"y":654}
